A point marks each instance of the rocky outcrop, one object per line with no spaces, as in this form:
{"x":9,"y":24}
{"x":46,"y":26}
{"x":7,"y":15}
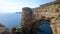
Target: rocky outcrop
{"x":50,"y":10}
{"x":4,"y":30}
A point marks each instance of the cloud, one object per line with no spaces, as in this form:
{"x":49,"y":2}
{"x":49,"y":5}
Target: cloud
{"x":8,"y":6}
{"x":17,"y":5}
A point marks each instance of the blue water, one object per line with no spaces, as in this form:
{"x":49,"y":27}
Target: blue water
{"x":47,"y":29}
{"x":10,"y":19}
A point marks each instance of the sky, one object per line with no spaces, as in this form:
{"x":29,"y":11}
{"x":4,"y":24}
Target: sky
{"x":10,"y":6}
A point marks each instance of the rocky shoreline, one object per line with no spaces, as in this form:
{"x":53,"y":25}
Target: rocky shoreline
{"x":5,"y":30}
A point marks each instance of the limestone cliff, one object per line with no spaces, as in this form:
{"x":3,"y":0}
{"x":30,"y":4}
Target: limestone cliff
{"x":49,"y":10}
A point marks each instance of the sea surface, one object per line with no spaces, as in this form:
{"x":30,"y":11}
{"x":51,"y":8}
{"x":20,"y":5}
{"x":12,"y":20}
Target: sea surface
{"x":10,"y":19}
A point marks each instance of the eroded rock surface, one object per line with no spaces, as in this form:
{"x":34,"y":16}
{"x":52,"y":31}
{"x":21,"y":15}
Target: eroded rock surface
{"x":50,"y":11}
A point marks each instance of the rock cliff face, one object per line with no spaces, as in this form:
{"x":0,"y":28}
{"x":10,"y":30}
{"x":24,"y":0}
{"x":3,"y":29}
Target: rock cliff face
{"x":3,"y":28}
{"x":50,"y":10}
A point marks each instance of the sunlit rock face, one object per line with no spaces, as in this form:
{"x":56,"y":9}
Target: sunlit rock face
{"x":57,"y":0}
{"x":49,"y":10}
